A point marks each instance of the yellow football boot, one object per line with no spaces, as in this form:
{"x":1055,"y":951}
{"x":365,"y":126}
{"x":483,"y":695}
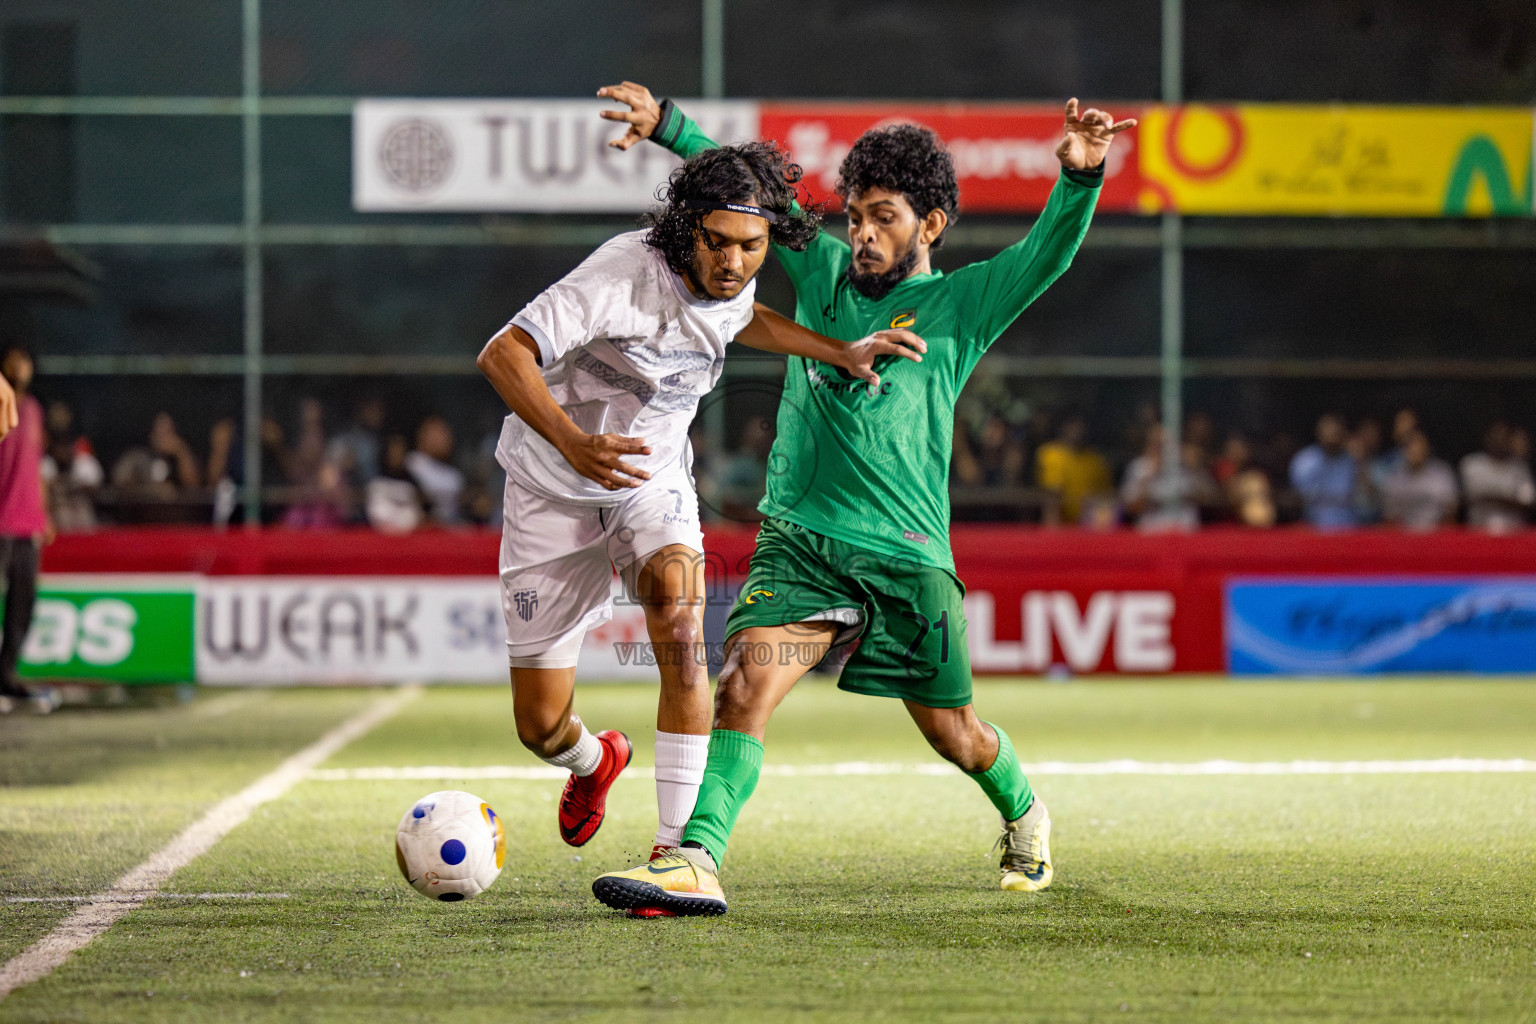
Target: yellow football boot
{"x":680,"y":883}
{"x":1026,"y":844}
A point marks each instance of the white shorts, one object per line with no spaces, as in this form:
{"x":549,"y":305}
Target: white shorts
{"x":558,"y":560}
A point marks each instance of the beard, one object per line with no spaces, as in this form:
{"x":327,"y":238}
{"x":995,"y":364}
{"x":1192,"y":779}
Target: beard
{"x":878,"y":286}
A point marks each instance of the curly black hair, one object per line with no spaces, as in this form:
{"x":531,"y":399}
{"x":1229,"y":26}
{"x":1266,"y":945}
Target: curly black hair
{"x":754,"y":173}
{"x":905,"y":158}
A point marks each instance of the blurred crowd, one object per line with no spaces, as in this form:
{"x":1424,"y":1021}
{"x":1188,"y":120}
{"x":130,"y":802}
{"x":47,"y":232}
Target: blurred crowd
{"x":1353,"y":473}
{"x":360,"y":474}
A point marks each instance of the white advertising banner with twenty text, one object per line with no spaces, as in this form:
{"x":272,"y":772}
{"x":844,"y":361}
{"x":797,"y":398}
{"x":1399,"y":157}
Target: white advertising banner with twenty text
{"x":368,"y":629}
{"x":515,"y":155}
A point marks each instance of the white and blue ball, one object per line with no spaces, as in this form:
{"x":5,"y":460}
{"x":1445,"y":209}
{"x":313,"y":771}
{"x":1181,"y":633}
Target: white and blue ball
{"x":450,"y":845}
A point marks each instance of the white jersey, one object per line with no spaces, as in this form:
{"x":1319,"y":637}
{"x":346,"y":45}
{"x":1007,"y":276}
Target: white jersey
{"x":626,"y":349}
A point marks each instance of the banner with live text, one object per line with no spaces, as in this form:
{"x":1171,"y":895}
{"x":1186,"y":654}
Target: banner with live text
{"x":293,"y":630}
{"x":1059,"y":621}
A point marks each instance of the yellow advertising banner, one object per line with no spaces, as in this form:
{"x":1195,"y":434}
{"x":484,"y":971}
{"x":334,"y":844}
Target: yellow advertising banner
{"x":1282,"y":160}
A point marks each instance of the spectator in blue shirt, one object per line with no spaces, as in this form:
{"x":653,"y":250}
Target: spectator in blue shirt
{"x":1325,"y":475}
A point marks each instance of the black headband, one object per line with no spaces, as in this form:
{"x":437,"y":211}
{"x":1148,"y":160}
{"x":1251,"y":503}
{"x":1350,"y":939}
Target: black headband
{"x":756,"y":211}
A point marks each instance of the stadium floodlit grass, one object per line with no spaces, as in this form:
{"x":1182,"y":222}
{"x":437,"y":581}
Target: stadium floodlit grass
{"x":1329,"y":897}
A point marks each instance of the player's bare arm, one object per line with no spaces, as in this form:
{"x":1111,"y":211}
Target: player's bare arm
{"x":510,"y":362}
{"x":1086,"y":138}
{"x":773,"y":332}
{"x":643,"y":115}
{"x":9,"y":414}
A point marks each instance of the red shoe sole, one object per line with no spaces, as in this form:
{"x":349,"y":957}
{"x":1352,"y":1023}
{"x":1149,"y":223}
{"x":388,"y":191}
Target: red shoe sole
{"x":649,"y":912}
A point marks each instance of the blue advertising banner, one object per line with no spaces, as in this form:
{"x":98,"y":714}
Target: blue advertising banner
{"x":1339,"y":626}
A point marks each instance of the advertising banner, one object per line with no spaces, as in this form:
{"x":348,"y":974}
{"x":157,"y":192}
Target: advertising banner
{"x":1004,"y":154}
{"x":1129,"y":631}
{"x":1270,"y":159}
{"x":1235,"y":160}
{"x":1331,"y":626}
{"x":127,"y":629}
{"x":365,"y":629}
{"x":514,"y":155}
{"x":1054,"y":602}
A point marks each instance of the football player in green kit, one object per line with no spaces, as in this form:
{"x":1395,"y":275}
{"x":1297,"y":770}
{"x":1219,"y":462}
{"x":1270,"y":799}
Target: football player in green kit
{"x":856,"y":543}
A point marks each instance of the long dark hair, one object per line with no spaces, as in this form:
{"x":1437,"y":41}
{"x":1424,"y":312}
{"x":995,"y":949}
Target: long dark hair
{"x":755,"y":174}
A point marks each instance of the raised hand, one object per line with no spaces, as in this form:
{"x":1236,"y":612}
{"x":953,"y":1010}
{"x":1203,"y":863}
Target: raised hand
{"x":860,"y":356}
{"x":600,"y":457}
{"x":643,"y":115}
{"x":1087,"y":138}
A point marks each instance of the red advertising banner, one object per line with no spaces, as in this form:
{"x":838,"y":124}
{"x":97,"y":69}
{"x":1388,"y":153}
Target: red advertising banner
{"x":1004,"y":154}
{"x":1038,"y":601}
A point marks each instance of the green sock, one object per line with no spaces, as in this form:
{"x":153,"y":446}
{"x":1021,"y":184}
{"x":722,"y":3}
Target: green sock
{"x":1004,"y":784}
{"x":730,"y":776}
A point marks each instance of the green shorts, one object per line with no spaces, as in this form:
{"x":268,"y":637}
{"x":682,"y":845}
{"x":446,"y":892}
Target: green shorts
{"x":908,"y":617}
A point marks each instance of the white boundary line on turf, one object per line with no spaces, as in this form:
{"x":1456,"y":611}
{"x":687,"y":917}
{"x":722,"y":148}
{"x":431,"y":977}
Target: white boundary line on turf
{"x":163,"y":896}
{"x":1440,"y":766}
{"x":144,"y":881}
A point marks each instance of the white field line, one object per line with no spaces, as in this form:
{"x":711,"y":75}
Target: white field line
{"x":162,"y":896}
{"x":144,"y":881}
{"x":1440,"y":766}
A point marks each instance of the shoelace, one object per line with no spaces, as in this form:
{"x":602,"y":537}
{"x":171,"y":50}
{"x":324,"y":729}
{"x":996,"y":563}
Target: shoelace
{"x":1025,"y":854}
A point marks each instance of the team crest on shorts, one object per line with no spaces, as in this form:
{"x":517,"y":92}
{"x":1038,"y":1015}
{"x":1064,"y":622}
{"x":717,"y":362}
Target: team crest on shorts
{"x":525,"y":603}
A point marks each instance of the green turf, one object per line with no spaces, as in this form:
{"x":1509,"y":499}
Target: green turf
{"x":1348,"y":898}
{"x":86,"y":795}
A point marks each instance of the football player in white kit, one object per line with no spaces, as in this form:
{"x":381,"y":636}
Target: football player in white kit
{"x":603,"y":372}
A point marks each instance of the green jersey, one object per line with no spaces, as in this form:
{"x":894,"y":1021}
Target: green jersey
{"x":873,"y":469}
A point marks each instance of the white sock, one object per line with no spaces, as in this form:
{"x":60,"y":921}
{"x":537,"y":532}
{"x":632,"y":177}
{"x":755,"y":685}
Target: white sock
{"x":679,"y":771}
{"x":584,"y":757}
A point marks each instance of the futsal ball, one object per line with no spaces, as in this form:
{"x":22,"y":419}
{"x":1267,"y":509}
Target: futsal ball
{"x":450,"y":846}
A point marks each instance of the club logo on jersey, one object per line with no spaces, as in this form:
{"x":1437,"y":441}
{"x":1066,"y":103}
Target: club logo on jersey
{"x":756,"y":595}
{"x":525,"y":603}
{"x":903,"y":320}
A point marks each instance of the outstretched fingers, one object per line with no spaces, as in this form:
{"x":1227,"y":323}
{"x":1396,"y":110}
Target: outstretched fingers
{"x":1094,"y":121}
{"x":624,"y":92}
{"x":640,"y":116}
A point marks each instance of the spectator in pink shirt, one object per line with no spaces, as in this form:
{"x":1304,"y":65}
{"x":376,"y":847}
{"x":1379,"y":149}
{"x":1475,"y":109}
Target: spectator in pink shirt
{"x":24,"y":528}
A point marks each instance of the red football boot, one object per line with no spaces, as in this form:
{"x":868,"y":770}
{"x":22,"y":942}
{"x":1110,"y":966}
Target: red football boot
{"x":585,"y":799}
